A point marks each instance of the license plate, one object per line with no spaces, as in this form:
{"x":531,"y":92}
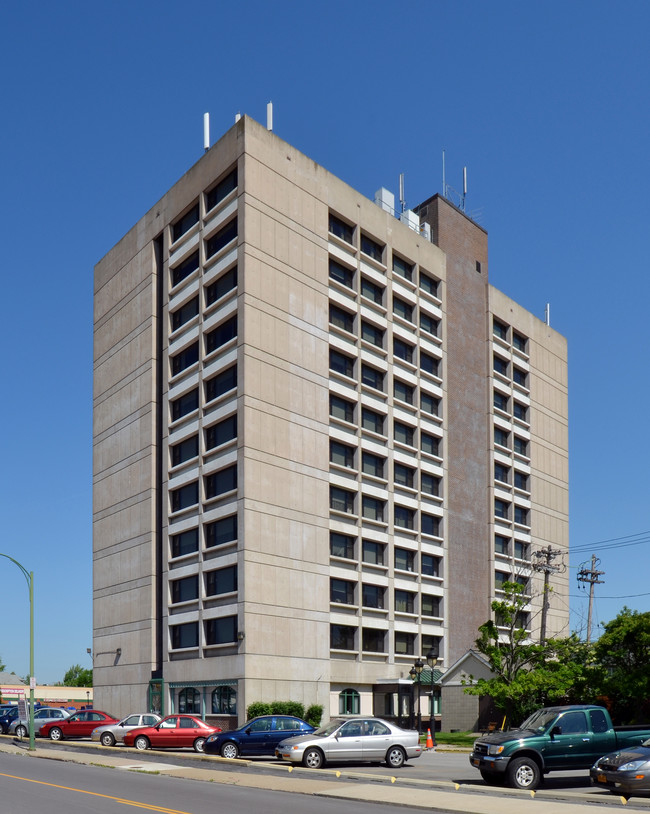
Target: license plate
{"x":601,"y":778}
{"x":476,"y":762}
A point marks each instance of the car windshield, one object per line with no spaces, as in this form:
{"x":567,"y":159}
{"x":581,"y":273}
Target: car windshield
{"x":539,"y":721}
{"x":326,"y":730}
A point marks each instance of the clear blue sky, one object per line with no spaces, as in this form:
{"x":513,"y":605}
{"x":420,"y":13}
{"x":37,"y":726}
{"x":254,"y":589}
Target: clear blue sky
{"x":102,"y":103}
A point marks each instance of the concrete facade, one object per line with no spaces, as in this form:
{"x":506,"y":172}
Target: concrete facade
{"x":294,"y":441}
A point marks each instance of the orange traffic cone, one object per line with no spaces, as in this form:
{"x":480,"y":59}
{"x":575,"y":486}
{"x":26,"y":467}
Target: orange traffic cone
{"x":429,"y":740}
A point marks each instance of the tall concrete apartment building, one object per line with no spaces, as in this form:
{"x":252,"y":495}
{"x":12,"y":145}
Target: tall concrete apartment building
{"x":322,"y":442}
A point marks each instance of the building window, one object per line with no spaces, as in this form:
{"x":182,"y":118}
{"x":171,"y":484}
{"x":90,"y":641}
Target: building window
{"x":341,"y":229}
{"x":341,"y":454}
{"x":219,"y":288}
{"x":429,"y":484}
{"x":500,"y":401}
{"x":521,"y":550}
{"x":373,"y":553}
{"x":430,"y":605}
{"x":403,"y":434}
{"x":218,"y":483}
{"x":341,"y":409}
{"x":402,"y":350}
{"x":520,"y":342}
{"x":373,"y":640}
{"x":429,"y":324}
{"x":404,"y":559}
{"x":371,"y":377}
{"x":341,"y":319}
{"x":221,"y":433}
{"x":186,"y":635}
{"x":185,"y":450}
{"x":501,"y":544}
{"x":429,"y":364}
{"x":221,"y":190}
{"x":373,"y":509}
{"x":430,"y":444}
{"x":341,"y":545}
{"x":184,"y":497}
{"x":372,"y":465}
{"x":501,"y":437}
{"x":432,"y":643}
{"x":404,"y":643}
{"x":501,"y":508}
{"x":185,"y":404}
{"x":341,"y":274}
{"x":520,"y":411}
{"x":520,"y":445}
{"x":500,"y":579}
{"x":187,"y":542}
{"x":348,"y":699}
{"x":189,"y":701}
{"x":402,"y":267}
{"x":342,"y":591}
{"x":500,"y":366}
{"x":187,"y":267}
{"x":500,"y":330}
{"x":372,"y":421}
{"x":224,"y":701}
{"x":223,"y":237}
{"x":341,"y":500}
{"x":521,"y":515}
{"x":403,"y":518}
{"x":342,"y":364}
{"x":430,"y":524}
{"x":428,"y":284}
{"x":221,"y":531}
{"x":521,"y":481}
{"x":342,"y":637}
{"x":222,"y":581}
{"x":519,"y":376}
{"x":403,"y":476}
{"x":184,"y":590}
{"x":221,"y":334}
{"x":369,"y":333}
{"x":402,"y":309}
{"x":185,"y":223}
{"x":501,"y":473}
{"x":371,"y":291}
{"x":221,"y":383}
{"x":221,"y":631}
{"x":181,"y":361}
{"x":185,"y":313}
{"x":372,"y":248}
{"x":403,"y":392}
{"x":430,"y":565}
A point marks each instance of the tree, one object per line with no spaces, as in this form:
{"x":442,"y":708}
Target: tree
{"x":3,"y":666}
{"x":78,"y":676}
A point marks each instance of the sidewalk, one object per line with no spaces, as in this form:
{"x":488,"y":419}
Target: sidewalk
{"x":414,"y":794}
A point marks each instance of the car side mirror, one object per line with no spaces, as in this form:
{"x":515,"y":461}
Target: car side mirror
{"x":248,"y":731}
{"x":557,"y":730}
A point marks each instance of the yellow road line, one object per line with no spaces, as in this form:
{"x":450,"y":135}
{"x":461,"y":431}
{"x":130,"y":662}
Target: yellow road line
{"x":133,"y":803}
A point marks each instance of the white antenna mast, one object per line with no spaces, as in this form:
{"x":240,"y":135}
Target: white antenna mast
{"x":444,"y":181}
{"x":269,"y":116}
{"x":206,"y":132}
{"x":402,"y":200}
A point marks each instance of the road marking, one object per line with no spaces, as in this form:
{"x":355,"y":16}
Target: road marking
{"x":125,"y":802}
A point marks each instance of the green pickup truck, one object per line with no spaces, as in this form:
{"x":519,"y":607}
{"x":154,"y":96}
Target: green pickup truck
{"x":551,"y":739}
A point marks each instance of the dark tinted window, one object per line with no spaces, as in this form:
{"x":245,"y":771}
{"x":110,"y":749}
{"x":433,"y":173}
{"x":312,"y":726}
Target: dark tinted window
{"x":221,"y":383}
{"x":221,"y":531}
{"x":185,"y":268}
{"x":216,"y":290}
{"x":221,"y":239}
{"x":185,"y":223}
{"x":185,"y":404}
{"x":223,"y":188}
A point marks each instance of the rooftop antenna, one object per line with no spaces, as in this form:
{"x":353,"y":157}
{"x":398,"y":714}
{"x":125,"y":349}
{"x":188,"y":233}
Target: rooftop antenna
{"x":444,"y":181}
{"x":464,"y":188}
{"x":547,"y":314}
{"x":402,"y":200}
{"x":206,"y":132}
{"x":237,"y":116}
{"x":269,"y":116}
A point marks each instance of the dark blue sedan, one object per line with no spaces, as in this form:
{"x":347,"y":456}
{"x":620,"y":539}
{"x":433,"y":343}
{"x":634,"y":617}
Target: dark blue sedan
{"x":6,"y":718}
{"x":258,"y":736}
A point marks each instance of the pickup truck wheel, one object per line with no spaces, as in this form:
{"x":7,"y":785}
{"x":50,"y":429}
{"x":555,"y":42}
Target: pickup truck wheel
{"x":523,"y":773}
{"x":492,"y":778}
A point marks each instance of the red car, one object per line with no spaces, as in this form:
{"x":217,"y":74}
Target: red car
{"x":79,"y":725}
{"x":173,"y":731}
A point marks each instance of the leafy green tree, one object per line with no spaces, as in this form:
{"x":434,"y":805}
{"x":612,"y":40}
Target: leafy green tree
{"x":623,"y":650}
{"x":78,"y":676}
{"x":3,"y":666}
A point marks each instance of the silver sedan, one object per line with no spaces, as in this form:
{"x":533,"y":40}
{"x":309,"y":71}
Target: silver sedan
{"x":42,"y":716}
{"x":357,"y":739}
{"x":110,"y":734}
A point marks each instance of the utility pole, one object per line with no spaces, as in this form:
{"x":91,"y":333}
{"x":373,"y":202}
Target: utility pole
{"x":591,"y":576}
{"x":543,"y":563}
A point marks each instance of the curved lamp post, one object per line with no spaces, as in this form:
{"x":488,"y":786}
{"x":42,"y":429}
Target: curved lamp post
{"x":432,"y":660}
{"x":29,"y":577}
{"x":416,"y":672}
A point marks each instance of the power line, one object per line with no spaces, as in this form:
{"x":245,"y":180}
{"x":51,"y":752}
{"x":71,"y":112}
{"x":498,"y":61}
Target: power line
{"x":614,"y":542}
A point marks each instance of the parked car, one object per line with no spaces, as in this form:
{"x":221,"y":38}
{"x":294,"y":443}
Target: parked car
{"x":42,"y":716}
{"x":625,"y":772}
{"x":357,"y":739}
{"x":258,"y":736}
{"x":174,"y":731}
{"x":79,"y":725}
{"x":7,"y":718}
{"x":110,"y":734}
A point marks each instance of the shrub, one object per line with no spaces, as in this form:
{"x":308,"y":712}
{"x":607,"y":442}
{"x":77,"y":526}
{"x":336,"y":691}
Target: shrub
{"x":314,"y":714}
{"x":258,"y":708}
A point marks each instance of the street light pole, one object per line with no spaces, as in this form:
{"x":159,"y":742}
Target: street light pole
{"x":416,"y":673}
{"x":29,"y":577}
{"x":432,"y":660}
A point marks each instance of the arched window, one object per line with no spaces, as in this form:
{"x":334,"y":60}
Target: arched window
{"x":224,"y":701}
{"x":189,"y":701}
{"x":349,"y":702}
